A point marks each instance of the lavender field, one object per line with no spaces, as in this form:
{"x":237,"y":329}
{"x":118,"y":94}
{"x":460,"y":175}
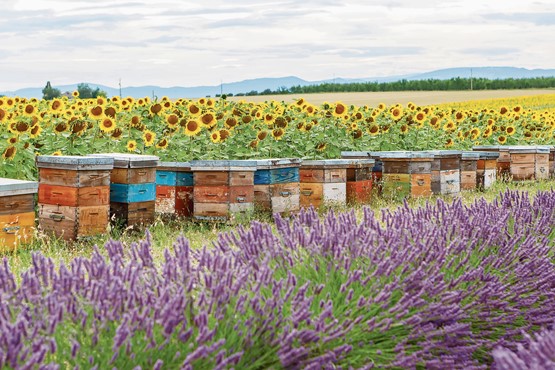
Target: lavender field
{"x":442,"y":286}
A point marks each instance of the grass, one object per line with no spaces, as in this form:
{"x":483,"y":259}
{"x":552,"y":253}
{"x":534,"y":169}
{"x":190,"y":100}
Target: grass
{"x":165,"y":230}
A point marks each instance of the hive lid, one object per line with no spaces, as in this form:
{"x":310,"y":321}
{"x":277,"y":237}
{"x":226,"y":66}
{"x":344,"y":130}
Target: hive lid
{"x":487,"y":148}
{"x":470,"y":155}
{"x":263,"y":164}
{"x":487,"y":155}
{"x":327,"y":163}
{"x":536,"y":149}
{"x":223,"y":165}
{"x":174,"y":166}
{"x":10,"y":187}
{"x":359,"y":154}
{"x":445,"y":153}
{"x":74,"y":162}
{"x":124,"y":160}
{"x":405,"y":155}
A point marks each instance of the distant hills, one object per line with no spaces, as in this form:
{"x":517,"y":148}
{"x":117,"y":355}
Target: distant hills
{"x":274,"y":84}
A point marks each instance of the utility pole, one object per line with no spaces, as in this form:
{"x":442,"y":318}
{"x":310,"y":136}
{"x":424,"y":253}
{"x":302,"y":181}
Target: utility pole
{"x":120,"y":87}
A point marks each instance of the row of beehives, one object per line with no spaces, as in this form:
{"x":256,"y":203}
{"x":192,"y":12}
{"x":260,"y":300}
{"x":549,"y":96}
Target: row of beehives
{"x":79,"y":196}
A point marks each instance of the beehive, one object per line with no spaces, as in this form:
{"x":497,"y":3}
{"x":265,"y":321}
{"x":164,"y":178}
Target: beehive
{"x":132,"y":188}
{"x":551,"y":161}
{"x":406,"y":174}
{"x":503,"y":161}
{"x":377,"y":169}
{"x":17,"y":212}
{"x":469,"y":167}
{"x":529,"y":162}
{"x":323,"y":182}
{"x":446,"y":174}
{"x":74,"y":195}
{"x":223,"y":189}
{"x":276,"y":185}
{"x":359,"y":181}
{"x":486,"y":169}
{"x":174,"y":189}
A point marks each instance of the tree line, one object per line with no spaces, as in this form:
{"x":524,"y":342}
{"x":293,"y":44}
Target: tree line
{"x":452,"y":84}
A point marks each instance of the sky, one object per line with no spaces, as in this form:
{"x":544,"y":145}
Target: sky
{"x":195,"y":43}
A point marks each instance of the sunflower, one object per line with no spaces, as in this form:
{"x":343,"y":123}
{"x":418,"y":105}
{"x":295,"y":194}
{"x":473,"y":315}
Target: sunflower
{"x":3,"y":115}
{"x":449,"y":126}
{"x":155,"y":108}
{"x":35,"y":131}
{"x":215,"y":137}
{"x":135,"y":121}
{"x":208,"y":120}
{"x":224,"y":134}
{"x":192,"y":128}
{"x":96,"y":112}
{"x":116,"y":134}
{"x":13,"y":140}
{"x":374,"y":129}
{"x":149,"y":137}
{"x":61,"y":127}
{"x":193,"y":109}
{"x":278,"y":133}
{"x":107,"y":125}
{"x":57,"y":152}
{"x":78,"y":127}
{"x":449,"y":143}
{"x":131,"y":145}
{"x":253,"y":144}
{"x":246,"y":119}
{"x":404,"y":129}
{"x":339,"y":109}
{"x":503,"y":110}
{"x":29,"y":110}
{"x":475,"y":133}
{"x":396,"y":113}
{"x":261,"y":135}
{"x":100,"y":100}
{"x":110,"y":112}
{"x":321,"y":147}
{"x":487,"y":133}
{"x":172,"y":120}
{"x":75,"y":94}
{"x":357,"y":134}
{"x":510,"y":130}
{"x":420,"y":117}
{"x":231,"y":122}
{"x":502,"y":139}
{"x":57,"y":105}
{"x":162,"y":144}
{"x":459,"y":116}
{"x":9,"y":152}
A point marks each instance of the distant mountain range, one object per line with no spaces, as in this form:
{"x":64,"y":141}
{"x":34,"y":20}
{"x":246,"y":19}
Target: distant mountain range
{"x":261,"y":84}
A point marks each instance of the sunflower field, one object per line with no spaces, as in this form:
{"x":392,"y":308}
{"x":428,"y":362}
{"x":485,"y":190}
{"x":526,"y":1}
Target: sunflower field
{"x":207,"y":128}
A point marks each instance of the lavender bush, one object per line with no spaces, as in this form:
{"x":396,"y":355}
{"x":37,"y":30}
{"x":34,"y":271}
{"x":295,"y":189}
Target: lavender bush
{"x":438,"y":287}
{"x":539,"y":353}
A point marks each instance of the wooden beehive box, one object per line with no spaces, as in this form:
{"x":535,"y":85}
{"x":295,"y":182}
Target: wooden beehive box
{"x":223,"y":189}
{"x":74,"y":195}
{"x":276,"y":185}
{"x":446,"y":176}
{"x":486,"y":169}
{"x":469,"y":167}
{"x":174,"y":189}
{"x":323,"y":182}
{"x":377,"y":169}
{"x":132,"y":188}
{"x":551,"y":161}
{"x":17,"y":212}
{"x":529,"y":162}
{"x":406,"y":174}
{"x":359,"y":181}
{"x":503,"y":161}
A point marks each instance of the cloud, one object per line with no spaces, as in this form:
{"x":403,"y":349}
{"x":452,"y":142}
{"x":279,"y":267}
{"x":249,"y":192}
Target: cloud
{"x":539,"y":19}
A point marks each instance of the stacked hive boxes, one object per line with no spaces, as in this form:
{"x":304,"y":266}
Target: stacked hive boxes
{"x":323,"y":182}
{"x":406,"y":174}
{"x":446,"y":176}
{"x":377,"y":169}
{"x":133,"y":188}
{"x":174,"y":189}
{"x":17,"y":212}
{"x":223,"y":189}
{"x":503,"y":160}
{"x":276,"y":185}
{"x":74,"y":195}
{"x":469,"y":167}
{"x":486,"y":169}
{"x":359,"y":181}
{"x":551,"y":161}
{"x":529,"y":162}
